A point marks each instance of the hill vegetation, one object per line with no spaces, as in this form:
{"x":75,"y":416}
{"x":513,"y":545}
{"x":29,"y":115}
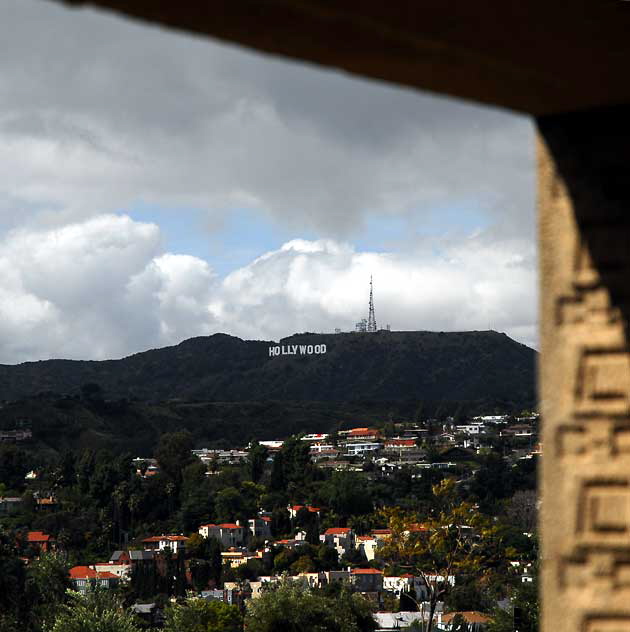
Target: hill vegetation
{"x":386,"y":366}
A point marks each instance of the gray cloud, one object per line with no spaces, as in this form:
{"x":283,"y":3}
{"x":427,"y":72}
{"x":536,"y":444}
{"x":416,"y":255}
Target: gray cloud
{"x":98,"y":114}
{"x":127,"y":112}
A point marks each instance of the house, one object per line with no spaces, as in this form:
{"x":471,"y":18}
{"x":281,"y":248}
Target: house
{"x":340,"y":538}
{"x":229,"y":534}
{"x":40,"y":541}
{"x":49,"y":503}
{"x":294,"y":509}
{"x":362,"y":448}
{"x":474,"y":428}
{"x":386,"y":621}
{"x":172,"y":543}
{"x":381,"y":534}
{"x":367,"y":545}
{"x":237,"y":557}
{"x":150,"y":613}
{"x":414,"y":586}
{"x":361,"y":434}
{"x":10,"y":505}
{"x":132,"y":557}
{"x":122,"y":563}
{"x":317,"y":438}
{"x":83,"y":578}
{"x":260,"y":527}
{"x":398,"y":444}
{"x":476,"y":621}
{"x":367,"y":580}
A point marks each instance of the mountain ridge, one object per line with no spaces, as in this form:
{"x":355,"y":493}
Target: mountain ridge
{"x":386,"y":365}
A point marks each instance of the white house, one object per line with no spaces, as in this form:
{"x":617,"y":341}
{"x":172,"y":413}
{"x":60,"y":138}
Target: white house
{"x":172,"y":543}
{"x":228,"y":533}
{"x":340,"y":538}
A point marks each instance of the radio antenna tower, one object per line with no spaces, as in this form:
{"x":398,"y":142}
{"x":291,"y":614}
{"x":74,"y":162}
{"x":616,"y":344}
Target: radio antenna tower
{"x":371,"y":324}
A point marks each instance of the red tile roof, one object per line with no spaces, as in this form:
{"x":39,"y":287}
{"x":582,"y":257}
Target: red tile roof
{"x":85,"y":572}
{"x":381,"y":531}
{"x":230,"y":525}
{"x":401,"y":442}
{"x":362,"y":432}
{"x":366,"y":571}
{"x":165,"y":538}
{"x":37,"y":536}
{"x":337,"y":531}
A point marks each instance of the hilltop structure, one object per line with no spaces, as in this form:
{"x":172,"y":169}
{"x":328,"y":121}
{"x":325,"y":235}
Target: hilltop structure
{"x":368,"y":325}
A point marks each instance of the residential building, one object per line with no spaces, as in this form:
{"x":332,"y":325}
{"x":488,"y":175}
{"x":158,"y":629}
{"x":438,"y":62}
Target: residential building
{"x":360,"y":434}
{"x":368,"y":545}
{"x":83,"y":578}
{"x":10,"y":505}
{"x":40,"y":541}
{"x":259,"y":527}
{"x":229,"y":534}
{"x":362,"y":448}
{"x":339,"y":538}
{"x":172,"y":543}
{"x":294,"y":509}
{"x":476,"y":621}
{"x":367,"y":580}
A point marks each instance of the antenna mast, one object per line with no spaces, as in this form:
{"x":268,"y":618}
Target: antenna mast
{"x":371,"y":323}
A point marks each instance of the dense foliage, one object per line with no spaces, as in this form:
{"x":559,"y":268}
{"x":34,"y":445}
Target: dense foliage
{"x":483,"y":367}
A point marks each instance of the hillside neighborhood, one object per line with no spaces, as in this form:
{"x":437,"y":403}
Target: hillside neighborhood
{"x":375,"y":511}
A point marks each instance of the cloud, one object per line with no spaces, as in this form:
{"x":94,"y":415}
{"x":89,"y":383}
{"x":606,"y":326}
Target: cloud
{"x":100,"y":113}
{"x":101,"y":116}
{"x":104,"y":287}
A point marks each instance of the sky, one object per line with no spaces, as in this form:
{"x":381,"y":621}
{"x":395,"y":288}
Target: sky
{"x":158,"y":186}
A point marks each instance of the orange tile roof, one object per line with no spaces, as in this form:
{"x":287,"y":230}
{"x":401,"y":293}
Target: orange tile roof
{"x":230,"y":525}
{"x":337,"y":531}
{"x":470,"y":616}
{"x":366,"y":571}
{"x":37,"y":536}
{"x":85,"y":572}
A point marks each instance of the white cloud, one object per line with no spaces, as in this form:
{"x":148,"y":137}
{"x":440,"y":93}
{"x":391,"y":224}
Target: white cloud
{"x":103,"y":288}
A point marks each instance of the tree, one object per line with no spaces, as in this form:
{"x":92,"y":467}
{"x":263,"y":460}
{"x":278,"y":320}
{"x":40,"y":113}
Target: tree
{"x":256,"y":460}
{"x":452,"y":541}
{"x":347,"y":495}
{"x":46,"y":587}
{"x":293,"y":607}
{"x":95,"y":611}
{"x":523,"y":611}
{"x":174,"y":453}
{"x":522,"y":510}
{"x":199,"y":615}
{"x":14,"y":465}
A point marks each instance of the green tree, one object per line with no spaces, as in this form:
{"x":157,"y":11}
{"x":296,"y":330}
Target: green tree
{"x":524,"y":607}
{"x":199,"y":615}
{"x":174,"y":453}
{"x":256,"y":460}
{"x":96,"y":611}
{"x":454,"y":540}
{"x":292,"y":607}
{"x":14,"y":465}
{"x":46,"y":589}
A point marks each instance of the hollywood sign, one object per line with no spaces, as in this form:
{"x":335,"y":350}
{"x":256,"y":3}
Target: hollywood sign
{"x":296,"y":350}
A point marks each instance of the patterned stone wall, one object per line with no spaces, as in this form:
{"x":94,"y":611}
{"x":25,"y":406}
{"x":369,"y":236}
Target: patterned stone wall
{"x":584,"y":208}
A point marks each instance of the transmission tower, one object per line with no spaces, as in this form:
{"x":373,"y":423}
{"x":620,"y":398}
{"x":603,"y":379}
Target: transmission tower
{"x":371,"y":323}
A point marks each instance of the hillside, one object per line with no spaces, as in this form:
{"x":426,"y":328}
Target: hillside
{"x":483,"y":366}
